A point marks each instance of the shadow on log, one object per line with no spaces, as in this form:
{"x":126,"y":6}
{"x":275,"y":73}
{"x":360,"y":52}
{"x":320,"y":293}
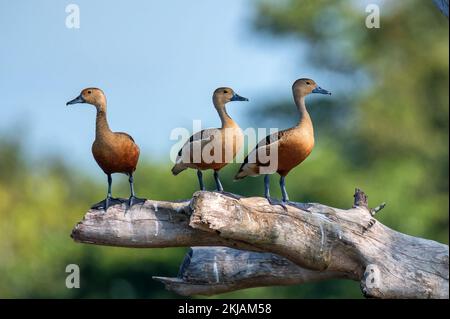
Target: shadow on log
{"x":274,"y":245}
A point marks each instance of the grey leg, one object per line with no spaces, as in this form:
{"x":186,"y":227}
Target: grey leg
{"x":104,"y":204}
{"x":218,"y":183}
{"x":200,"y":180}
{"x":284,"y":193}
{"x":133,"y":200}
{"x":267,"y":190}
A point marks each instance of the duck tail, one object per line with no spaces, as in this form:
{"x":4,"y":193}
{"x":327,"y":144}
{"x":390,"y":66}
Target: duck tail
{"x":240,"y":175}
{"x":178,"y":168}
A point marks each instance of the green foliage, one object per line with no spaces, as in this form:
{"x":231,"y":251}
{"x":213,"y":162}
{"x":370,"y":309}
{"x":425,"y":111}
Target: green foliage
{"x":385,"y":131}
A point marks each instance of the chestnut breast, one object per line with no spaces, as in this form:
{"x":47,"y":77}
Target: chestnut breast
{"x":293,"y":149}
{"x":116,"y":153}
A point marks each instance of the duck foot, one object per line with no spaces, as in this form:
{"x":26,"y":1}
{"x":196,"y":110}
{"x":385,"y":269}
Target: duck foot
{"x":272,"y":201}
{"x":133,"y":200}
{"x":275,"y":202}
{"x":297,"y":205}
{"x":106,"y":203}
{"x":229,"y":194}
{"x":284,"y":204}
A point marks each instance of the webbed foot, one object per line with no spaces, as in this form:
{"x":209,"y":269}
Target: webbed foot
{"x":272,"y":201}
{"x":106,"y":203}
{"x":229,"y":194}
{"x":296,"y":205}
{"x":133,"y":200}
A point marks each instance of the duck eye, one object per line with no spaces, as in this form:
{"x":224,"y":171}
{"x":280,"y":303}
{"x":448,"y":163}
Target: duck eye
{"x":89,"y":92}
{"x":225,"y":91}
{"x":309,"y":83}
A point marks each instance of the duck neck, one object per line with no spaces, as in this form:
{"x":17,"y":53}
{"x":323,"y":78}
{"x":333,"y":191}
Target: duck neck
{"x":101,"y":123}
{"x":304,"y":119}
{"x":226,"y":120}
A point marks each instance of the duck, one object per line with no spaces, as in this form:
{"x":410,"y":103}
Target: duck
{"x":282,"y":151}
{"x":214,"y":148}
{"x":114,"y":152}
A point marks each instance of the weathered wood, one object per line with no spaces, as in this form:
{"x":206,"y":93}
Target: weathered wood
{"x":214,"y":270}
{"x":389,"y":264}
{"x":153,"y":224}
{"x":320,"y":240}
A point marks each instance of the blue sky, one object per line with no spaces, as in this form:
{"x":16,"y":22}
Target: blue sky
{"x":157,"y":61}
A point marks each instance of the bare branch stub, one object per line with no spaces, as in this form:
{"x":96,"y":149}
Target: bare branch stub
{"x":377,"y":209}
{"x":361,"y":199}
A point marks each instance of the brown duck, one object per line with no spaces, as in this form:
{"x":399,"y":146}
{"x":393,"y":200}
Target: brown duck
{"x":216,"y":147}
{"x":285,"y":149}
{"x":114,"y":152}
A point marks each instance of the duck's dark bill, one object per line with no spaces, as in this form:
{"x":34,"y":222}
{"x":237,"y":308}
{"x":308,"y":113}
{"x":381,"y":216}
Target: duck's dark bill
{"x":319,"y":90}
{"x":237,"y":97}
{"x":78,"y":99}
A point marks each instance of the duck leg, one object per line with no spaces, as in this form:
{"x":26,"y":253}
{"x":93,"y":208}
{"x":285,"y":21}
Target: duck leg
{"x":285,"y":198}
{"x":104,"y":204}
{"x":284,"y":194}
{"x":200,"y":180}
{"x":133,"y":200}
{"x":218,"y":183}
{"x":267,"y":190}
{"x":109,"y":195}
{"x":220,"y":187}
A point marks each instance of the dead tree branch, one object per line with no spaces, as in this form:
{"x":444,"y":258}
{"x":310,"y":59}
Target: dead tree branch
{"x":303,"y":243}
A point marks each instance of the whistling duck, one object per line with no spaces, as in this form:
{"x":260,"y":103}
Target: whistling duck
{"x":282,"y":151}
{"x":114,"y":152}
{"x":213,"y":148}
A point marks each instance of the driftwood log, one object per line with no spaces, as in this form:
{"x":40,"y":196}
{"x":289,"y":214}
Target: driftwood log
{"x":264,"y":245}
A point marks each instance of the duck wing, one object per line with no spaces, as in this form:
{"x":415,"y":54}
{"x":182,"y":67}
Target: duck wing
{"x":265,"y":143}
{"x":198,"y":141}
{"x":265,"y":146}
{"x":271,"y":138}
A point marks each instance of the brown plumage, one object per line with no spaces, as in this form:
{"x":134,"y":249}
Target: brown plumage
{"x":213,"y":148}
{"x":282,"y":151}
{"x":114,"y":152}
